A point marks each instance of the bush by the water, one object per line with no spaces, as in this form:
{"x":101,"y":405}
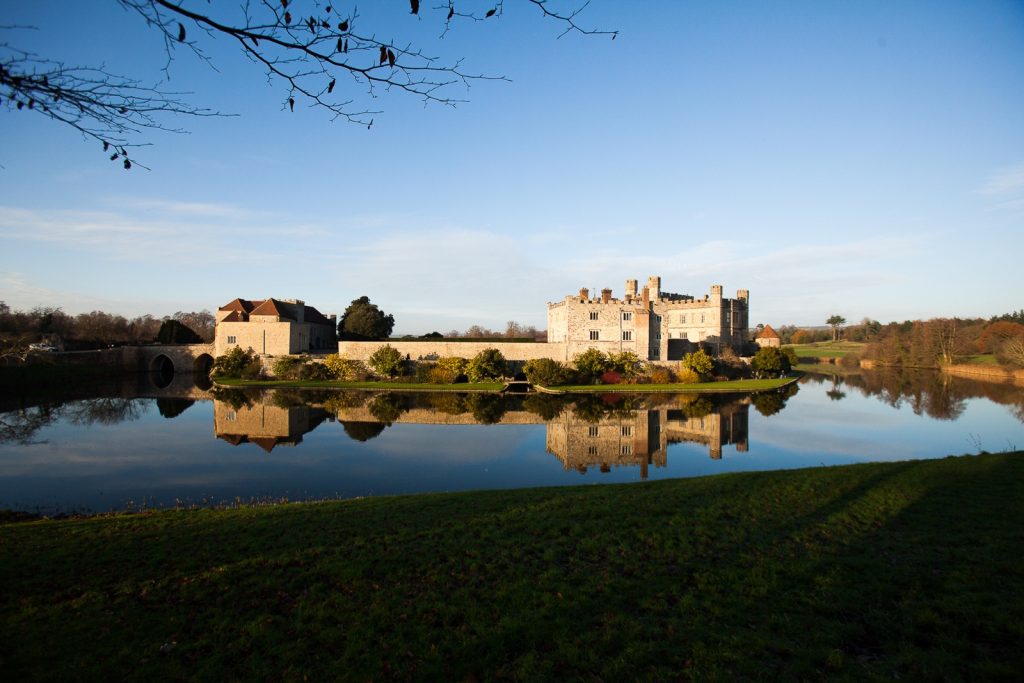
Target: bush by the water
{"x":237,"y":364}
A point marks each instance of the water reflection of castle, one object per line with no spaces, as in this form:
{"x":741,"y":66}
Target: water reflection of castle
{"x":581,"y":440}
{"x":641,"y":438}
{"x":265,"y":424}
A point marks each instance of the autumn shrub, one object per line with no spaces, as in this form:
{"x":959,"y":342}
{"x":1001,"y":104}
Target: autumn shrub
{"x":700,"y":362}
{"x":546,"y":372}
{"x":387,"y":361}
{"x":288,"y":367}
{"x":346,"y":369}
{"x":315,"y":371}
{"x":611,"y":377}
{"x":850,"y":360}
{"x":237,"y":364}
{"x":423,"y":370}
{"x":591,"y":364}
{"x":686,"y":376}
{"x":659,"y":375}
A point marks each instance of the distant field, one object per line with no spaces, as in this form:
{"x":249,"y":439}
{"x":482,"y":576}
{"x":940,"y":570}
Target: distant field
{"x":982,"y":359}
{"x":827,"y":349}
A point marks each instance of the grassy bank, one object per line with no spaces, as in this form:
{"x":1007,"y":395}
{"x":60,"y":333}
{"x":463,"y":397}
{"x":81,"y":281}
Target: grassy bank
{"x":880,"y":570}
{"x":737,"y":386}
{"x":334,"y":384}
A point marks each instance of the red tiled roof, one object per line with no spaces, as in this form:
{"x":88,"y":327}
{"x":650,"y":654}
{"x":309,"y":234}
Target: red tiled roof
{"x":268,"y":307}
{"x":243,"y":308}
{"x":234,"y":317}
{"x":768,"y":333}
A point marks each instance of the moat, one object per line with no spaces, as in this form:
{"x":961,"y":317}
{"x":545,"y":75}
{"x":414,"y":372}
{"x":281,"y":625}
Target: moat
{"x":135,"y":446}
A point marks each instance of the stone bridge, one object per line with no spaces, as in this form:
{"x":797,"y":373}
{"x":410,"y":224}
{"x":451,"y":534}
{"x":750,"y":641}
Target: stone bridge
{"x":165,"y":361}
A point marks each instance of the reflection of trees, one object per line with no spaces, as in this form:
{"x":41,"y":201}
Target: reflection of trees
{"x":447,"y":402}
{"x":363,"y":431}
{"x":236,"y":398}
{"x":927,"y":392}
{"x":487,"y":409}
{"x":546,"y":406}
{"x":769,"y":403}
{"x":695,"y":405}
{"x":106,"y":411}
{"x":386,"y":407}
{"x":20,"y":426}
{"x":173,"y":407}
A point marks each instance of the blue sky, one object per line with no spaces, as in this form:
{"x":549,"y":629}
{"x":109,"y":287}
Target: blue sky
{"x":865,"y":159}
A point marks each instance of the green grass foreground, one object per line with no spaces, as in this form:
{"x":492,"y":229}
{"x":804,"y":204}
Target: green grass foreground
{"x":909,"y":570}
{"x":732,"y":386}
{"x":334,"y":384}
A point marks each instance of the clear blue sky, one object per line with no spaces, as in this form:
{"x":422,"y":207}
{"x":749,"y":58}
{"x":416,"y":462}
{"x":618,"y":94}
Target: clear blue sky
{"x":865,"y":159}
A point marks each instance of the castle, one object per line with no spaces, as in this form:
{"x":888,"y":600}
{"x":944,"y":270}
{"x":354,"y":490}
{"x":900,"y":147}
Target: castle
{"x":655,"y":325}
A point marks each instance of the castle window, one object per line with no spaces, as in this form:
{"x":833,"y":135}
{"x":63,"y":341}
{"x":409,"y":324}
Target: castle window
{"x":657,"y":335}
{"x":595,"y":335}
{"x":627,"y":335}
{"x":683,"y":336}
{"x":592,"y":450}
{"x":627,"y":316}
{"x":682,"y":318}
{"x":702,"y":317}
{"x":232,"y":339}
{"x":594,"y":315}
{"x":627,"y":449}
{"x":728,"y":317}
{"x":592,"y":431}
{"x":654,"y":353}
{"x":627,"y":431}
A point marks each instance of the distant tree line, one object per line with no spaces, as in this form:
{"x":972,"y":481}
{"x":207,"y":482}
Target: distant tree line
{"x":87,"y":330}
{"x":513,"y":330}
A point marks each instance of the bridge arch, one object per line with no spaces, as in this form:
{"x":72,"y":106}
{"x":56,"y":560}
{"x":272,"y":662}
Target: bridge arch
{"x":161,"y":371}
{"x":201,"y":367}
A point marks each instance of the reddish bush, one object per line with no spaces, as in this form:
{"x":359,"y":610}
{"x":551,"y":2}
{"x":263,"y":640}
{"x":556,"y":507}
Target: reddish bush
{"x":610,"y":377}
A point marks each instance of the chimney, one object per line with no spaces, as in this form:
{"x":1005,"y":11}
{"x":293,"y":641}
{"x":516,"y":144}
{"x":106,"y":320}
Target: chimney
{"x":647,"y":298}
{"x":606,"y":295}
{"x":584,"y":293}
{"x":630,"y":289}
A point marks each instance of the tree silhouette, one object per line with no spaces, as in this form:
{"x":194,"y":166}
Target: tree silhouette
{"x":835,"y":322}
{"x":317,"y":55}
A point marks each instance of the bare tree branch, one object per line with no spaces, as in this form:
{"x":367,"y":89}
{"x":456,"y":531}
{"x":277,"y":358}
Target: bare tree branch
{"x":306,"y":46}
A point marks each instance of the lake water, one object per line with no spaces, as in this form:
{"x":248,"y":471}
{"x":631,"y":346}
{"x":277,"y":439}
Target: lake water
{"x":138,"y":446}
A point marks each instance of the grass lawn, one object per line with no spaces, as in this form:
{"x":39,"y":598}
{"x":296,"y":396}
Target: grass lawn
{"x":910,"y":570}
{"x":982,"y":359}
{"x":826,"y":349}
{"x":732,"y":386}
{"x":332,"y":384}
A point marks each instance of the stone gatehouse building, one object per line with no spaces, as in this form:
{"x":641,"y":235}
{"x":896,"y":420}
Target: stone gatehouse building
{"x":275,"y":327}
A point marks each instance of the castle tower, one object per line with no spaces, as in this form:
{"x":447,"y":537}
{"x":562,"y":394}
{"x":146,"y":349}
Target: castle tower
{"x":630,"y":289}
{"x":654,"y":286}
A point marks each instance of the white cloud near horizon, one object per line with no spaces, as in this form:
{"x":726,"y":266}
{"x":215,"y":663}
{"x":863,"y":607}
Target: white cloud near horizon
{"x":1007,"y":180}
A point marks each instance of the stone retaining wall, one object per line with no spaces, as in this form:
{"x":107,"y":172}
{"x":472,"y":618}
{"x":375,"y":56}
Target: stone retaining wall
{"x":432,"y":350}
